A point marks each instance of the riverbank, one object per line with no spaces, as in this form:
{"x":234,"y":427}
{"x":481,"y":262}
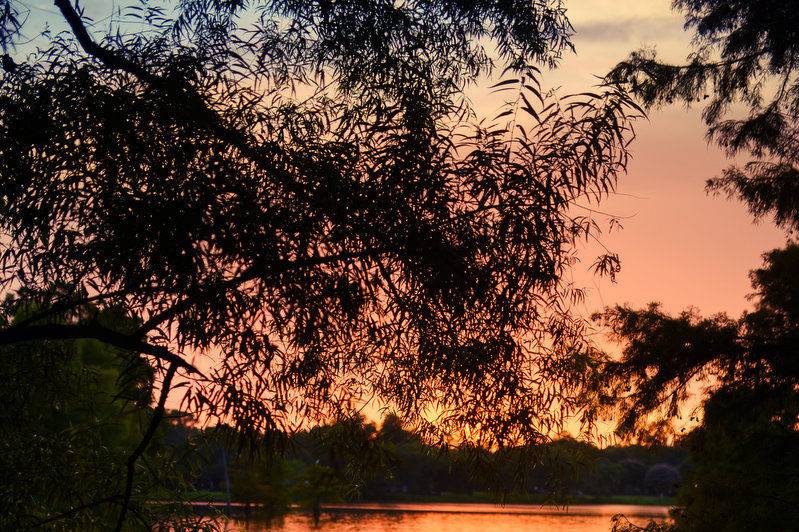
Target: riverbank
{"x":485,"y":498}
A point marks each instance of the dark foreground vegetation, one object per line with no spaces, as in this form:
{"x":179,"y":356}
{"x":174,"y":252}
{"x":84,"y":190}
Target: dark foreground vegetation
{"x":743,"y":70}
{"x":275,"y":212}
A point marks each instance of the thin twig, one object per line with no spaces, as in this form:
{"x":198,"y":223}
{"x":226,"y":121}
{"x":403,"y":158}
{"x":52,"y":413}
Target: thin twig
{"x":158,"y":415}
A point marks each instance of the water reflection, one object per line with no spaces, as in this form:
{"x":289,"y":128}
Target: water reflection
{"x":420,"y":517}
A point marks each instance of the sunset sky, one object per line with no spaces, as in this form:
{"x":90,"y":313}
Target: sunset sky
{"x":678,"y":245}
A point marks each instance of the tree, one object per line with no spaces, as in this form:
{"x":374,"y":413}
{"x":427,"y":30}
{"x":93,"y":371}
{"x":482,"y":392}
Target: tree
{"x":302,"y":192}
{"x":662,"y":479}
{"x":746,"y":56}
{"x":70,"y":412}
{"x":744,"y":448}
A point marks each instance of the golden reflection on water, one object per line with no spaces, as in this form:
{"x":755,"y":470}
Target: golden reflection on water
{"x":422,"y":517}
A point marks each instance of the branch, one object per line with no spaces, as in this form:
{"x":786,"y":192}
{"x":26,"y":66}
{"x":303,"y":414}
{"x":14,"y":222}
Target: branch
{"x":158,"y":415}
{"x":710,"y":65}
{"x":64,"y":306}
{"x":105,"y":56}
{"x":77,"y":509}
{"x":182,"y":92}
{"x":252,"y":273}
{"x":57,"y":331}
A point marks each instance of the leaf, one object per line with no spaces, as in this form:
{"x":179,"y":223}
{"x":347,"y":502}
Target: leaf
{"x":504,"y":82}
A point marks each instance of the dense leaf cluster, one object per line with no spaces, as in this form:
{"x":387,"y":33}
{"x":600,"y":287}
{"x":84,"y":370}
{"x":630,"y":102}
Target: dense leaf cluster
{"x":71,"y":412}
{"x":309,"y":199}
{"x":745,"y":445}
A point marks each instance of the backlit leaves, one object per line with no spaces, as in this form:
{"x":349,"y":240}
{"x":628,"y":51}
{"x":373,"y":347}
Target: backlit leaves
{"x":312,"y":203}
{"x":745,"y":58}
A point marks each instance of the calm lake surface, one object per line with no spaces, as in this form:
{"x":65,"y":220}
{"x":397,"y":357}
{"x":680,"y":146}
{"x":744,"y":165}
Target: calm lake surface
{"x":434,"y":517}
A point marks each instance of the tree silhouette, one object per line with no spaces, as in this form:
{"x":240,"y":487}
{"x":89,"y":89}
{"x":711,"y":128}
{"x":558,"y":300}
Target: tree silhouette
{"x":744,"y":448}
{"x":302,"y":192}
{"x":745,"y":56}
{"x":71,"y":413}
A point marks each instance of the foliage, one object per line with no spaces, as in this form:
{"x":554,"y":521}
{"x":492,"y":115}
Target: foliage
{"x":661,"y":479}
{"x":327,"y":464}
{"x":662,"y":355}
{"x":744,"y":449}
{"x":261,"y":483}
{"x":301,"y":191}
{"x":745,"y":57}
{"x":10,"y":25}
{"x":70,"y":412}
{"x":619,"y":523}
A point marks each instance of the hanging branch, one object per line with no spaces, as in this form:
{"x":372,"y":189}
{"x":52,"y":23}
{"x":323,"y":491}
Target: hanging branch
{"x":158,"y":415}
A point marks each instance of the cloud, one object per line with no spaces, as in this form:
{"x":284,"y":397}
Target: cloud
{"x":629,"y":30}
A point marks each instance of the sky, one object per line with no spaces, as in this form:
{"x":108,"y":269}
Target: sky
{"x":678,"y":246}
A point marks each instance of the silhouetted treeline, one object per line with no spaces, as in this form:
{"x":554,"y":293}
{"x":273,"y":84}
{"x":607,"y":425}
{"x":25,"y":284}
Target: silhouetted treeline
{"x":356,"y":460}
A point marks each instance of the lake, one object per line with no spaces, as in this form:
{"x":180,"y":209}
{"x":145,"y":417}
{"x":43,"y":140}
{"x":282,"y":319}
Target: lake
{"x":434,"y":517}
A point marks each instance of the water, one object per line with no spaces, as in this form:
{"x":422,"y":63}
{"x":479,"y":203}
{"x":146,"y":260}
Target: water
{"x":429,"y":517}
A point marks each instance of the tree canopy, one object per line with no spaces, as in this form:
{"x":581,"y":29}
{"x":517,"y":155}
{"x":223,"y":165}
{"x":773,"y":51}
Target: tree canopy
{"x":747,"y":433}
{"x":302,"y":192}
{"x":355,"y":459}
{"x":72,"y":411}
{"x":662,"y":354}
{"x":743,"y":448}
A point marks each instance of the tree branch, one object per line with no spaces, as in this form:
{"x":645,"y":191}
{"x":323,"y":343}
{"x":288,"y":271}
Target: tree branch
{"x":57,"y":331}
{"x":105,"y":56}
{"x":253,"y":273}
{"x":77,"y":509}
{"x":64,"y":306}
{"x":158,"y":415}
{"x":182,"y":92}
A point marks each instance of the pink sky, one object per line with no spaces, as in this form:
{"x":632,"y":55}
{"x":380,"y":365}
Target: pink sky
{"x":680,"y":246}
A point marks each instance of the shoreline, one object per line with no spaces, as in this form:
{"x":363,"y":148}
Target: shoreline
{"x":217,"y":500}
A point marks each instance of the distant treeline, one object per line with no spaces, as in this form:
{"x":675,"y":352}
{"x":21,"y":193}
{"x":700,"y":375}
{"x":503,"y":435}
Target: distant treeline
{"x":357,"y":460}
